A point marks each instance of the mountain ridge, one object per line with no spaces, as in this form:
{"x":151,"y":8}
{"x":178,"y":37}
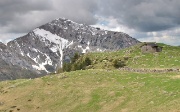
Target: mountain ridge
{"x":44,"y":49}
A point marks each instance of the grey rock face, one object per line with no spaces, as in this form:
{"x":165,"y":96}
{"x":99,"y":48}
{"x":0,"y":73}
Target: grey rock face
{"x":44,"y":49}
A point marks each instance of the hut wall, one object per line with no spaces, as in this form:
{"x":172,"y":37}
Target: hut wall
{"x":148,"y":49}
{"x":159,"y":49}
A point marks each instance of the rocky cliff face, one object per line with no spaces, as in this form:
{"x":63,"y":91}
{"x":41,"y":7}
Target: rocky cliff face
{"x":44,"y":49}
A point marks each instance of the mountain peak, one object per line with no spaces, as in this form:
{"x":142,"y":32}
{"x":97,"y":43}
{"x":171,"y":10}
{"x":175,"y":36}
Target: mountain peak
{"x":44,"y":49}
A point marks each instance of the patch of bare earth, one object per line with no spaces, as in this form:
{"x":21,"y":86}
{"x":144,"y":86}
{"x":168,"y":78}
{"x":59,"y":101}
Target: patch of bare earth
{"x":176,"y":77}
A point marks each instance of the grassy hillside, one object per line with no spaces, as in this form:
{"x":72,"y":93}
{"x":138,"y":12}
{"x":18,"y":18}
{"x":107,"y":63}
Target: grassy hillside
{"x":101,"y":87}
{"x":134,"y":58}
{"x":93,"y":91}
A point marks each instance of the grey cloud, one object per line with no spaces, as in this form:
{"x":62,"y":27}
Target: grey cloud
{"x":141,"y":15}
{"x":11,"y":9}
{"x":144,"y":15}
{"x":20,"y":16}
{"x":81,"y":11}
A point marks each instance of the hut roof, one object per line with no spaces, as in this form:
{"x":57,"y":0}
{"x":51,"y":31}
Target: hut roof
{"x":150,"y":44}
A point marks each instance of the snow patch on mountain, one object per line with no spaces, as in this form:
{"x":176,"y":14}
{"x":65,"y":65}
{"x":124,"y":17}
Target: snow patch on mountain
{"x":41,"y":66}
{"x":60,"y":42}
{"x":19,"y":48}
{"x":51,"y":37}
{"x":54,"y":49}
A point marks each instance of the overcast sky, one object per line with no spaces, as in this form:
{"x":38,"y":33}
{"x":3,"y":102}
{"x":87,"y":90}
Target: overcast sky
{"x":145,"y":20}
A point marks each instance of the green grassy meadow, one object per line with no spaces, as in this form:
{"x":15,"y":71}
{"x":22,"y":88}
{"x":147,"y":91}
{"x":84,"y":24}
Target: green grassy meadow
{"x":93,"y":91}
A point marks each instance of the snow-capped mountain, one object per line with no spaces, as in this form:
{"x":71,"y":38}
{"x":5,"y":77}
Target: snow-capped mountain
{"x":44,"y":49}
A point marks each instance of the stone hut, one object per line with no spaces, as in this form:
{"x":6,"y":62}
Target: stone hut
{"x":150,"y":48}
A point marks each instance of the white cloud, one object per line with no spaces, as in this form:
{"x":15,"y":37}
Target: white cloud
{"x":164,"y":39}
{"x":6,"y":37}
{"x":171,"y":37}
{"x":112,"y":24}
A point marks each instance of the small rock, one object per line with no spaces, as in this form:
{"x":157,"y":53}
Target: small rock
{"x":48,"y":84}
{"x":151,"y":102}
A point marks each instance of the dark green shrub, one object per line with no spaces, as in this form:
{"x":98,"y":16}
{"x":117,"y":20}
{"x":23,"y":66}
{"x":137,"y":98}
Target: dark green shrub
{"x":126,"y":58}
{"x":87,"y":61}
{"x":77,"y":63}
{"x":75,"y":58}
{"x":118,"y":63}
{"x":67,"y":67}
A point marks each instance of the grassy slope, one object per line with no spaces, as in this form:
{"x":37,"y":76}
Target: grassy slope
{"x":93,"y":90}
{"x":100,"y":89}
{"x":169,"y":58}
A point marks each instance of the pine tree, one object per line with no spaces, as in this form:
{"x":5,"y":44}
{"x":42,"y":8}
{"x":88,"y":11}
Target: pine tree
{"x":87,"y":61}
{"x":75,"y":58}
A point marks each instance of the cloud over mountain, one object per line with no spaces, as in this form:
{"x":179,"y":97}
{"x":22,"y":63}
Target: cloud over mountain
{"x":141,"y":16}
